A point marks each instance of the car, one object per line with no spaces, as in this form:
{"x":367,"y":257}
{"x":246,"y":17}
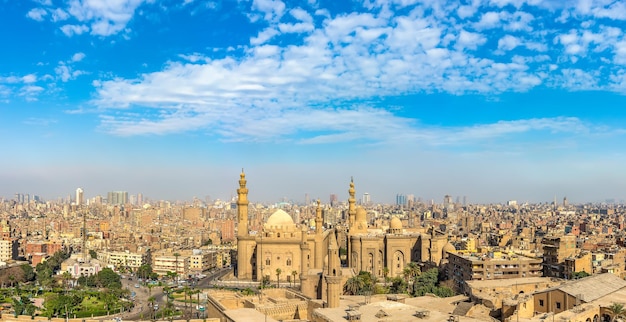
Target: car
{"x":136,"y":285}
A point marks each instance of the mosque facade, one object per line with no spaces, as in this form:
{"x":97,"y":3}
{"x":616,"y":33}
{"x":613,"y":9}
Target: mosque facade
{"x":284,"y":250}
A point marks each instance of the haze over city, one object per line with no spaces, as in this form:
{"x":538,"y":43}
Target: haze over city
{"x":493,"y":100}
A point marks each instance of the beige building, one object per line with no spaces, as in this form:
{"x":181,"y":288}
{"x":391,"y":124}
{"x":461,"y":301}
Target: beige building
{"x":555,"y":250}
{"x":125,"y":259}
{"x":202,"y":260}
{"x":283,"y":250}
{"x":373,"y":249}
{"x":491,"y":266}
{"x":161,"y":264}
{"x":8,"y":249}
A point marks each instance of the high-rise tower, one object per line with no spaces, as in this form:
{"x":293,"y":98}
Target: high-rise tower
{"x":80,"y":197}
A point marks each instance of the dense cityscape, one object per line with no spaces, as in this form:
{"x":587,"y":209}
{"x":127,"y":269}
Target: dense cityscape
{"x":503,"y":261}
{"x":404,"y":160}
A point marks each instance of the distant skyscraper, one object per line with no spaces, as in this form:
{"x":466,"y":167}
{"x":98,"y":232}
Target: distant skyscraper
{"x":117,"y":197}
{"x":400,"y":199}
{"x":140,"y":199}
{"x":307,"y":199}
{"x":366,"y":199}
{"x":80,"y":197}
{"x":333,"y":200}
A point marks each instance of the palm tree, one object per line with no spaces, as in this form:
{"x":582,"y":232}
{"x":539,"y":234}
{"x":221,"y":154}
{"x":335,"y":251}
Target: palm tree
{"x":353,"y":285}
{"x":386,"y":274}
{"x":294,"y":273}
{"x":411,"y":272}
{"x":66,"y":277}
{"x":617,"y":310}
{"x":151,"y":300}
{"x":278,"y":272}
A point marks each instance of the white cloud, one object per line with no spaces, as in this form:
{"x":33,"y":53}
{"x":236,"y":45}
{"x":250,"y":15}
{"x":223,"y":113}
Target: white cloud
{"x":37,"y":14}
{"x":71,"y":30}
{"x":466,"y":11}
{"x":295,"y":28}
{"x":470,"y":40}
{"x":59,"y":15}
{"x":78,"y":57}
{"x":488,"y":20}
{"x":301,"y":15}
{"x":361,"y":56}
{"x":30,"y":78}
{"x":102,"y":18}
{"x":273,"y":9}
{"x":508,"y":43}
{"x":620,"y":53}
{"x":264,"y":36}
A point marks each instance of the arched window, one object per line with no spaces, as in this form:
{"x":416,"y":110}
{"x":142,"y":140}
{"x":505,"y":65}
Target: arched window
{"x":288,"y":261}
{"x":267,"y":261}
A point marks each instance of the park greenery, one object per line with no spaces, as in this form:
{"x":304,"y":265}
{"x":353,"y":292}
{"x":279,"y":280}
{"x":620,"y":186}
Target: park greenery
{"x":412,"y":282}
{"x":63,"y":296}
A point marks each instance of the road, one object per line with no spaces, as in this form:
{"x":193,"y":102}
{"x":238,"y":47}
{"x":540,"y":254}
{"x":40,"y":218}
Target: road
{"x":143,"y":310}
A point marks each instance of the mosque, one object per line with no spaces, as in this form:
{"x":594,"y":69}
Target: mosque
{"x":313,"y":256}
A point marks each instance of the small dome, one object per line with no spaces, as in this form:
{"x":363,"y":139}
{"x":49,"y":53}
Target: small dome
{"x":361,"y":214}
{"x":395,"y":223}
{"x":280,"y":218}
{"x":449,"y":248}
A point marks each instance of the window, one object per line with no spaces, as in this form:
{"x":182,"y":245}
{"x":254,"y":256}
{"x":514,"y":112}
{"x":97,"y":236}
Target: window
{"x":267,"y":262}
{"x":558,"y":305}
{"x":288,"y":261}
{"x":540,"y":302}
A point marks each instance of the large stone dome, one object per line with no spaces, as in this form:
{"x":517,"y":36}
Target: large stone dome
{"x":280,"y":218}
{"x":395,"y":223}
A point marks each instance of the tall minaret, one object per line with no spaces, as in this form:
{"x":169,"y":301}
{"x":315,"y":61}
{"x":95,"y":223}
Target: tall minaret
{"x":319,"y":221}
{"x":245,"y":243}
{"x":242,"y":206}
{"x":333,"y":273}
{"x":351,"y":204}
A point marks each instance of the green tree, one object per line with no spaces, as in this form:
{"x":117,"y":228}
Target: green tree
{"x":108,"y":278}
{"x":144,"y":271}
{"x":398,"y":285}
{"x":66,"y":277}
{"x":353,"y":285}
{"x":617,"y":311}
{"x":578,"y":275}
{"x":278,"y":272}
{"x":93,"y":254}
{"x":294,"y":273}
{"x":265,"y":282}
{"x":29,"y":272}
{"x":151,"y":300}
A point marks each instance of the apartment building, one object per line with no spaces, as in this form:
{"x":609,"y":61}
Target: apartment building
{"x":491,"y":266}
{"x":161,"y":264}
{"x":125,"y":259}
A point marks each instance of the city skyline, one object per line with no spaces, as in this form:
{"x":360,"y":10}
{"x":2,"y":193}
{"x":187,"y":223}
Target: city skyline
{"x":494,"y":100}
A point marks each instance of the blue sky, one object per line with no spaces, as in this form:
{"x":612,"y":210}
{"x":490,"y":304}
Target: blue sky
{"x":490,"y":99}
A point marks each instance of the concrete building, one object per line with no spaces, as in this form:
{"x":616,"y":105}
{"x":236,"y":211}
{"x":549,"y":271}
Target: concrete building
{"x":491,"y":266}
{"x":555,"y":250}
{"x":125,"y":259}
{"x":161,"y":264}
